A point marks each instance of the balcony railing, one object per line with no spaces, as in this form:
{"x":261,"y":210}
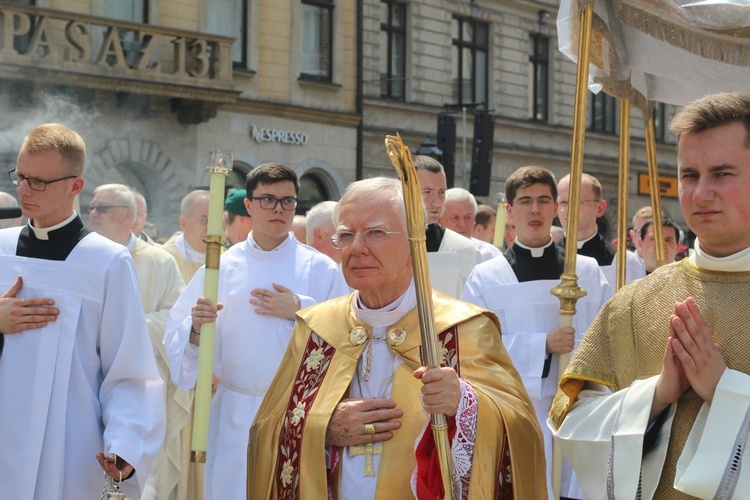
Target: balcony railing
{"x":88,"y":51}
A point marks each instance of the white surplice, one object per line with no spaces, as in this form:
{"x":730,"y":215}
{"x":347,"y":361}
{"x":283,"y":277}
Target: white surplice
{"x":249,"y":346}
{"x":633,"y":270}
{"x":488,"y":250}
{"x":84,"y":383}
{"x":452,"y":264}
{"x":527,"y":312}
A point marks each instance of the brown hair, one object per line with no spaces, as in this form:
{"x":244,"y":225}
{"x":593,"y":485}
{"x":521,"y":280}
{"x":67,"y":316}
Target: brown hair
{"x":270,"y":173}
{"x":527,"y":176}
{"x":711,"y":111}
{"x":59,"y":138}
{"x":429,"y":163}
{"x":484,"y":214}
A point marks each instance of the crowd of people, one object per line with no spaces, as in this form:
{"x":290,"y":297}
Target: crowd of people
{"x":320,"y":387}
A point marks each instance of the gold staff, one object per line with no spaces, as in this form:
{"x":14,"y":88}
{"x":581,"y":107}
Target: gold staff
{"x":220,"y":164}
{"x":402,"y":162}
{"x":568,"y":290}
{"x":653,"y":180}
{"x":622,"y":193}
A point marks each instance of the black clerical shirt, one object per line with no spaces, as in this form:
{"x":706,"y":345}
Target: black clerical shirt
{"x":549,"y":266}
{"x":434,"y":235}
{"x":598,"y":248}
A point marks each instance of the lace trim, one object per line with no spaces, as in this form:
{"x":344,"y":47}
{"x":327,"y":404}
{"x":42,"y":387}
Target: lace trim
{"x":732,"y":472}
{"x":462,"y":447}
{"x":610,"y":459}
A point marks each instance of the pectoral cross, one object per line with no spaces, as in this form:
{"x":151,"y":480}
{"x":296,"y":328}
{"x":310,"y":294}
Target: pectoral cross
{"x":368,"y":450}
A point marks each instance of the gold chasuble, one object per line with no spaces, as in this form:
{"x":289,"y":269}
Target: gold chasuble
{"x":187,"y":268}
{"x":287,"y":451}
{"x":628,"y":339}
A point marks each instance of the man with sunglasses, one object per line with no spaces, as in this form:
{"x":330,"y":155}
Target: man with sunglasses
{"x":263,"y":281}
{"x":111,"y":213}
{"x":78,"y":360}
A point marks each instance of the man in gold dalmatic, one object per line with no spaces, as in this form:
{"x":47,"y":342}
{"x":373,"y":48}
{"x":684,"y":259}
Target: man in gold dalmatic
{"x":656,"y":402}
{"x":349,"y":402}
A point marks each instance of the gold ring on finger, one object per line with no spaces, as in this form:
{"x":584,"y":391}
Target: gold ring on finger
{"x":369,"y":429}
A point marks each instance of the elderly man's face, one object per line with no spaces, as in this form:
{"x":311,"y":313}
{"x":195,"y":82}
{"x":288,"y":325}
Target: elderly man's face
{"x":194,"y":225}
{"x":110,"y":216}
{"x":140,"y":216}
{"x":714,"y":182}
{"x":459,"y":215}
{"x":322,"y":241}
{"x":380,"y":268}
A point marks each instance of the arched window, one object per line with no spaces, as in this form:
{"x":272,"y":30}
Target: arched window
{"x":311,"y":192}
{"x":238,"y":178}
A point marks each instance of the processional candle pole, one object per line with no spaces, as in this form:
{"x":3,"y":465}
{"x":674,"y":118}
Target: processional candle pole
{"x":219,"y":167}
{"x":501,"y":218}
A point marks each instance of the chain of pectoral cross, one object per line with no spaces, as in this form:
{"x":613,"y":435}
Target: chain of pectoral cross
{"x":368,"y":449}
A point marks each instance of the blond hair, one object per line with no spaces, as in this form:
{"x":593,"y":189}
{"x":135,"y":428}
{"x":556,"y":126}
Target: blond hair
{"x":59,"y":138}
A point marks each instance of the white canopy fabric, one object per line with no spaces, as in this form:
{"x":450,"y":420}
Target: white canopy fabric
{"x":671,"y":51}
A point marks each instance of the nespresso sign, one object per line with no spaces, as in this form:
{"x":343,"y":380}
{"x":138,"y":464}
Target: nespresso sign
{"x":259,"y":134}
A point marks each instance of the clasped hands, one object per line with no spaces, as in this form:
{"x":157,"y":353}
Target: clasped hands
{"x":441,"y":393}
{"x":691,"y":359}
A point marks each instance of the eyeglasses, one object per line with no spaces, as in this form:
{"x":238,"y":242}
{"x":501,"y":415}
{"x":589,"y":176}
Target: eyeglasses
{"x":372,"y":237}
{"x":103,"y":209}
{"x":34,"y":184}
{"x":564,"y":204}
{"x":270,"y":202}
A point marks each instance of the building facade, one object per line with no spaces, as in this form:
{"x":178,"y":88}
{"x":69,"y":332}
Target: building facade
{"x":154,"y":85}
{"x":426,"y":58}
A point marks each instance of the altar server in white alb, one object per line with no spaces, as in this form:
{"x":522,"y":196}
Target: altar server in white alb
{"x":78,"y":380}
{"x":263,"y":281}
{"x":517,"y":287}
{"x":656,"y":403}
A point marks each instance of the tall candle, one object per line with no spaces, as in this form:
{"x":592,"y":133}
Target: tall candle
{"x":219,"y":166}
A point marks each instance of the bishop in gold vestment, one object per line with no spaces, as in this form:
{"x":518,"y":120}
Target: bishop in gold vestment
{"x":348,"y":403}
{"x":287,"y":452}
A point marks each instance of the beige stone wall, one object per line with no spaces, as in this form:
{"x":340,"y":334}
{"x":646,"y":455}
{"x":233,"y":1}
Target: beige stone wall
{"x":518,"y":141}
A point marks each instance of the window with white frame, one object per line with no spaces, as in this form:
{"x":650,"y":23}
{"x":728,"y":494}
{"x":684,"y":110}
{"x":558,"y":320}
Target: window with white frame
{"x":316,"y":43}
{"x":392,"y":50}
{"x":229,"y":18}
{"x":470,"y":67}
{"x":539,"y":77}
